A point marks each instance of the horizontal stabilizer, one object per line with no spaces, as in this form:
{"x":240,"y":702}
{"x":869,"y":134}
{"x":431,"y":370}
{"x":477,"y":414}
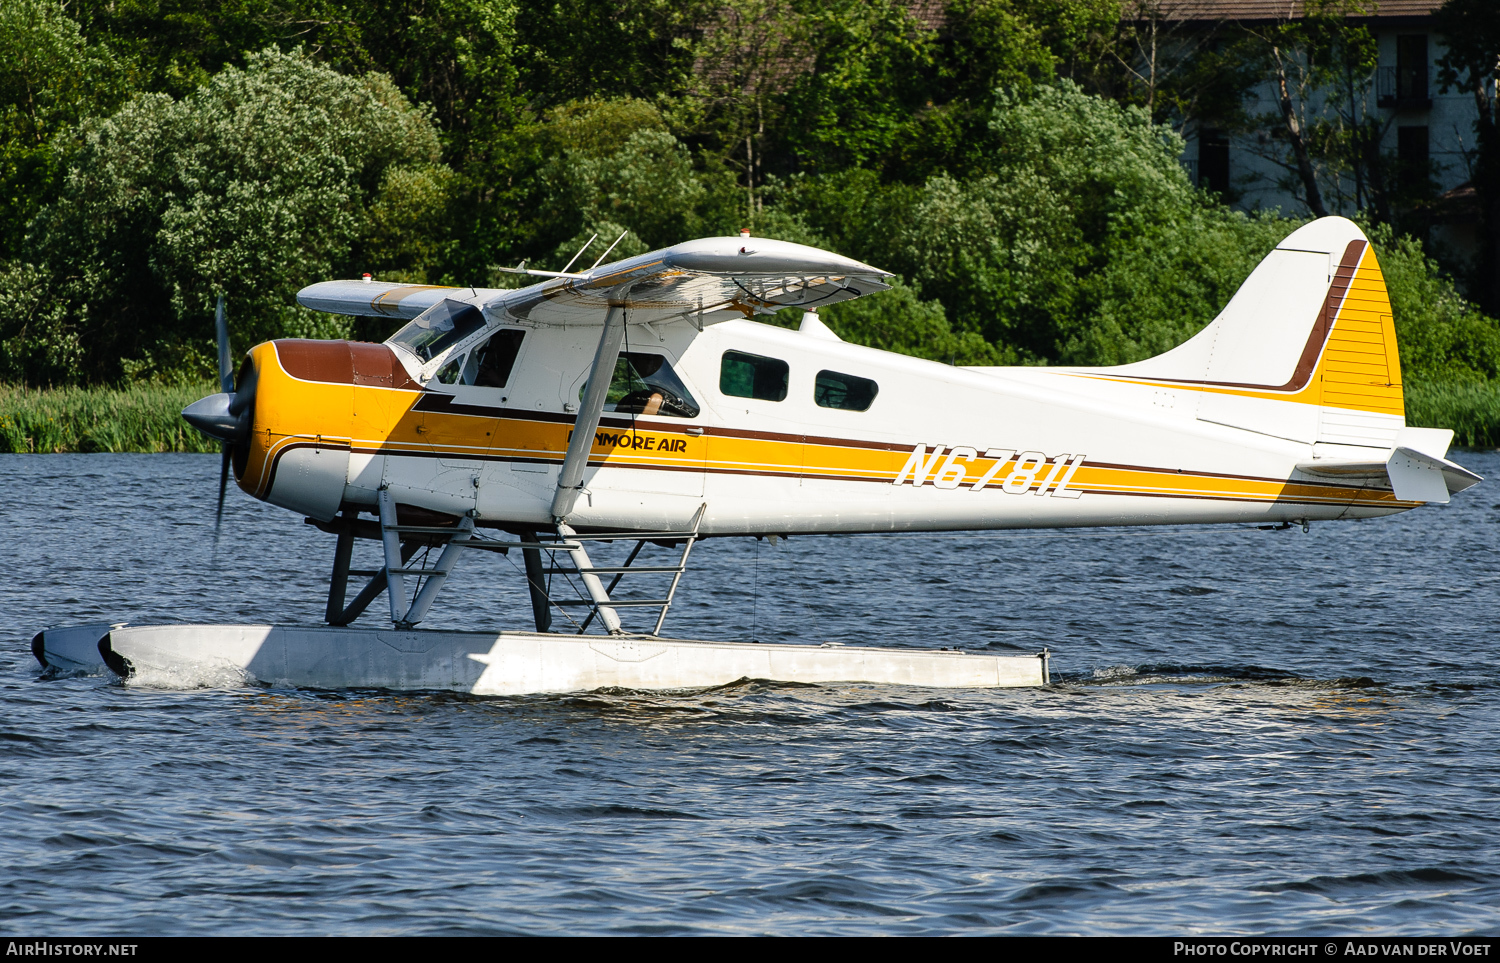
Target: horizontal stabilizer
{"x":1412,"y":475}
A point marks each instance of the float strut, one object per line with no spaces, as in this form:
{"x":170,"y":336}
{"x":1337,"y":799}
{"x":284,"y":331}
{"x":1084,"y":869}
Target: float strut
{"x":438,"y":574}
{"x":338,"y":614}
{"x":338,"y":584}
{"x":541,"y":603}
{"x":395,"y":581}
{"x":597,"y":594}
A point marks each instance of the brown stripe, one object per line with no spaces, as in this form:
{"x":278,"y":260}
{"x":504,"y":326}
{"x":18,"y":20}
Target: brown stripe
{"x":388,"y":303}
{"x":1179,"y":471}
{"x":1236,"y":498}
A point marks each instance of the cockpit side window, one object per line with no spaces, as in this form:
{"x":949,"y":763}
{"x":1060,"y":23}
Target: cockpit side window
{"x":487,"y":365}
{"x":439,"y":328}
{"x":645,"y":384}
{"x":491,"y":363}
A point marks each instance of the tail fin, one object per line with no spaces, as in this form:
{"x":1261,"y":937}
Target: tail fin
{"x":1306,"y":349}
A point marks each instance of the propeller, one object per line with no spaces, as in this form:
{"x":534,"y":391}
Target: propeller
{"x":226,"y":385}
{"x":226,"y":415}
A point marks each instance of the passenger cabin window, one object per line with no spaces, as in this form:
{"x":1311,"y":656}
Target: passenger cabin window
{"x":744,"y":375}
{"x":645,"y":384}
{"x":834,"y":389}
{"x":439,"y":328}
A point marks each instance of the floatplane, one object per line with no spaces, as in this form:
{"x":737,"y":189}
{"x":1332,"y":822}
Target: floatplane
{"x":640,"y":400}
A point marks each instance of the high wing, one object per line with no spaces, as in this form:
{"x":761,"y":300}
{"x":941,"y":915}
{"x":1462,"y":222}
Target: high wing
{"x":707,"y":281}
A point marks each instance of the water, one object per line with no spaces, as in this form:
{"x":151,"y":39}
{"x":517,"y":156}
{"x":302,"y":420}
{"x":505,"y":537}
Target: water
{"x":1248,"y":731}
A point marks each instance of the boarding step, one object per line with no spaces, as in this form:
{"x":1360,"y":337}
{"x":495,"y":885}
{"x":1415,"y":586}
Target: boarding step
{"x":614,"y":569}
{"x":612,"y":603}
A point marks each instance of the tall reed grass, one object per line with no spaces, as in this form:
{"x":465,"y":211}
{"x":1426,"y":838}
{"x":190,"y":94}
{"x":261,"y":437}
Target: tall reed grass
{"x":1471,"y":409}
{"x":140,"y":418}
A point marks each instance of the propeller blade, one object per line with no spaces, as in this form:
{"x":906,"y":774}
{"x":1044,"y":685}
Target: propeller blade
{"x":221,"y":333}
{"x":223,"y":484}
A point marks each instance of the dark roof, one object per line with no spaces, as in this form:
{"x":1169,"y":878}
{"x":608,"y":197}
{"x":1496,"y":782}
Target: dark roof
{"x":1268,"y":10}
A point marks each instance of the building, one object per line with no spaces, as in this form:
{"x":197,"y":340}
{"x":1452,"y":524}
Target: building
{"x":1425,"y":132}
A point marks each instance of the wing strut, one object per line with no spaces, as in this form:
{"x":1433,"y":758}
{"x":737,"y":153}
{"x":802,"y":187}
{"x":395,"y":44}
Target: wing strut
{"x":570,"y":479}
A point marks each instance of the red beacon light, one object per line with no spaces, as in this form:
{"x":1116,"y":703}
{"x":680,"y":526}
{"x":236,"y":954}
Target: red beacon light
{"x":367,"y":277}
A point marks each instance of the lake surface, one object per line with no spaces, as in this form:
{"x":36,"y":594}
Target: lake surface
{"x":1248,"y":732}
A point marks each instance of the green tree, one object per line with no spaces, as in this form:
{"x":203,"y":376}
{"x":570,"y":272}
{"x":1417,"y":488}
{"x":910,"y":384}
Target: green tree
{"x":458,"y":57}
{"x":1442,"y":336}
{"x":614,"y":166}
{"x":577,"y":50}
{"x":749,"y":54}
{"x":1184,"y":72}
{"x":879,"y":87}
{"x":1083,"y":242}
{"x":176,"y":46}
{"x":1075,"y":180}
{"x":866,"y":83}
{"x":50,"y":79}
{"x":1077,"y":33}
{"x":265,"y":179}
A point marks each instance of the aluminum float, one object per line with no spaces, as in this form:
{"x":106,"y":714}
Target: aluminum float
{"x":504,"y":663}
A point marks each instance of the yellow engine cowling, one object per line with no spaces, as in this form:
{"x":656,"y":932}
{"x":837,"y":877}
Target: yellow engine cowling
{"x":312,"y":400}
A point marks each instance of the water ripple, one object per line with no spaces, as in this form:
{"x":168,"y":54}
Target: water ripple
{"x":1248,"y":732}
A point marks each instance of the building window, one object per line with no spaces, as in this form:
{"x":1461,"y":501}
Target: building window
{"x":1411,"y":156}
{"x":1411,"y":68}
{"x":1213,"y":160}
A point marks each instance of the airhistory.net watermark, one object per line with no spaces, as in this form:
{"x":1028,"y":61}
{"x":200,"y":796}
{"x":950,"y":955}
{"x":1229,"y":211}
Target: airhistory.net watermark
{"x":50,"y":948}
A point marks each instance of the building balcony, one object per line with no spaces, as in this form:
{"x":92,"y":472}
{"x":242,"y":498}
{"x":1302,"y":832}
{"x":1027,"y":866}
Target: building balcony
{"x":1403,"y":88}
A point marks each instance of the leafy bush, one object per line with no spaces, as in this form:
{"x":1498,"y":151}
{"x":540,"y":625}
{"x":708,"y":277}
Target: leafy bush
{"x":899,"y":320}
{"x":1442,"y":336}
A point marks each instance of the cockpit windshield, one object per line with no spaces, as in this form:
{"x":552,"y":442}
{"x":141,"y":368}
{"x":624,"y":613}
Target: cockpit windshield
{"x":438,"y":328}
